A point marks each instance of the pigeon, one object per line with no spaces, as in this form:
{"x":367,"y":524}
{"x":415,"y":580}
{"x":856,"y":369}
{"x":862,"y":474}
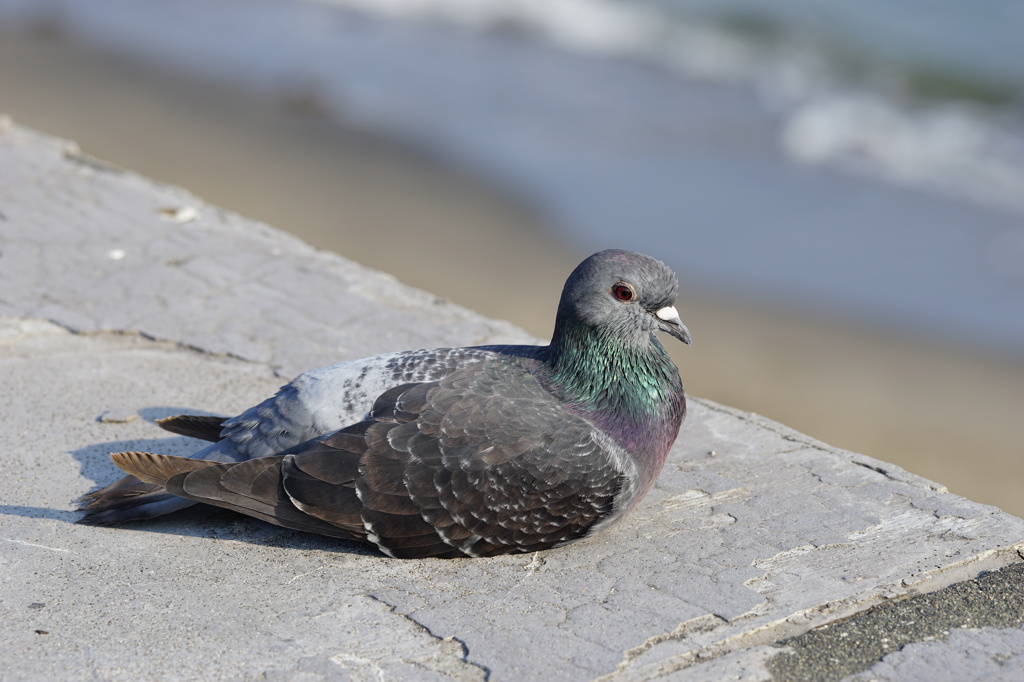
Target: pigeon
{"x":451,"y":452}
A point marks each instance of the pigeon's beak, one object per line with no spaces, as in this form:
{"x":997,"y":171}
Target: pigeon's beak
{"x":671,"y":323}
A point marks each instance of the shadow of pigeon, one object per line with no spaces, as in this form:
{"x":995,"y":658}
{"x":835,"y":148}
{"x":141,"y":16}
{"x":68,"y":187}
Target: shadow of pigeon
{"x":94,"y":460}
{"x":39,"y":512}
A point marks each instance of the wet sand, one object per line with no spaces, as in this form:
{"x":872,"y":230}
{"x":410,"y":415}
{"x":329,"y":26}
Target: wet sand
{"x":946,"y":413}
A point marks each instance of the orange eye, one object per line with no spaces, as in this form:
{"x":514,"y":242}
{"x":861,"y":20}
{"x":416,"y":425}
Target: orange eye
{"x":623,"y":292}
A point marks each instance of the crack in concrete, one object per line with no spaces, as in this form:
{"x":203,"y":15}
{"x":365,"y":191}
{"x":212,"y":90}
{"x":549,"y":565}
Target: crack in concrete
{"x":772,"y":427}
{"x":705,"y":623}
{"x":452,"y":638}
{"x":878,"y":469}
{"x":178,"y":345}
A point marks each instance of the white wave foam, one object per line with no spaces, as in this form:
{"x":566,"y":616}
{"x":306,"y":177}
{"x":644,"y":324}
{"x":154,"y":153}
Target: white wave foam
{"x":946,"y":147}
{"x":580,"y":24}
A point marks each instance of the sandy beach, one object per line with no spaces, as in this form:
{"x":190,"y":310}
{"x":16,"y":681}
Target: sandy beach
{"x":947,"y":413}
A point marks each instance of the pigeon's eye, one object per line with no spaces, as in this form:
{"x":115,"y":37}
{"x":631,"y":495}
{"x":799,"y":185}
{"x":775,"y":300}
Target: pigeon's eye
{"x":623,"y":292}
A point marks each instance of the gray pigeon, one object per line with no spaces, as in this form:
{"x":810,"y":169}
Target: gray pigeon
{"x":464,"y":451}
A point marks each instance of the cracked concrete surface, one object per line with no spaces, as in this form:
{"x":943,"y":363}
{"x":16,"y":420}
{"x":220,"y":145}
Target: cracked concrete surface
{"x":754,"y":533}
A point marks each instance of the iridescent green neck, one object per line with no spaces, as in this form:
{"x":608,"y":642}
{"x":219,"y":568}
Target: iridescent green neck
{"x":606,"y":372}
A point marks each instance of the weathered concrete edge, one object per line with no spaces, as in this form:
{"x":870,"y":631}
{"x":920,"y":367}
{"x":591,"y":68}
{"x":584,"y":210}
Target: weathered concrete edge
{"x":884,"y":468}
{"x":825,"y":652}
{"x":822,"y":653}
{"x":776,"y":633}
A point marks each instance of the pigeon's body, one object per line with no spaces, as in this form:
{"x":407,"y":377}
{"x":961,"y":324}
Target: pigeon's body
{"x":450,"y":452}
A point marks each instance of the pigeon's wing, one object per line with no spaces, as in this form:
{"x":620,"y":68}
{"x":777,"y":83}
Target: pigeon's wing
{"x":194,"y":426}
{"x":490,"y":461}
{"x":484,"y":462}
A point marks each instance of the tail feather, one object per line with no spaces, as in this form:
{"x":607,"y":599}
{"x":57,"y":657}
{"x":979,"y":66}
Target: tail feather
{"x":126,"y":488}
{"x":128,"y":499}
{"x":194,"y":426}
{"x":137,"y":508}
{"x":156,"y":469}
{"x":252,"y":487}
{"x":134,"y":497}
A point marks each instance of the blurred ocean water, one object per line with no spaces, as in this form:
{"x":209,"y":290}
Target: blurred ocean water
{"x":919,"y":92}
{"x":863,"y":159}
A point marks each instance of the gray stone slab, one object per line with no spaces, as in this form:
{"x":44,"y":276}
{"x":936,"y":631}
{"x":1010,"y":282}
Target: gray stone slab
{"x":968,"y":655}
{"x":94,"y":247}
{"x":112,"y":309}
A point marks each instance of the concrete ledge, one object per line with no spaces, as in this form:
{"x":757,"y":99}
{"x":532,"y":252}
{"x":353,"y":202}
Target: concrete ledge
{"x":124,"y":301}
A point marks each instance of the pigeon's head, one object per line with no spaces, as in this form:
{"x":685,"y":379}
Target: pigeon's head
{"x":622,"y":293}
